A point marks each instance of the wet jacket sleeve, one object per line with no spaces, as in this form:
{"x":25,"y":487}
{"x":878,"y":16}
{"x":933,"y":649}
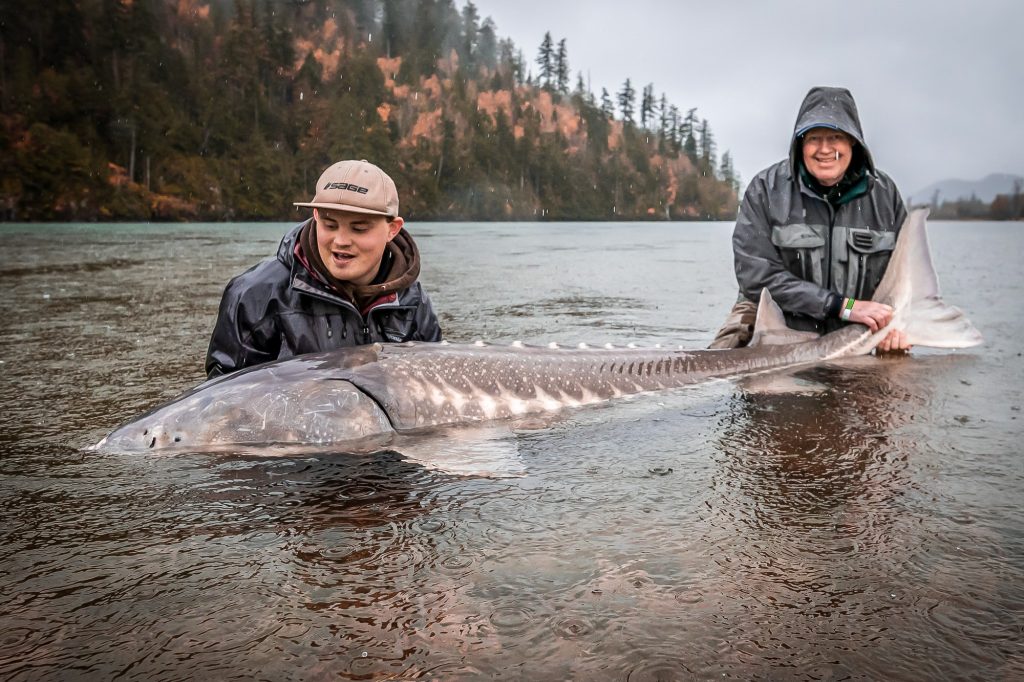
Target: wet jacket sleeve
{"x":899,"y":210}
{"x":759,"y":264}
{"x":427,"y":326}
{"x":239,"y":341}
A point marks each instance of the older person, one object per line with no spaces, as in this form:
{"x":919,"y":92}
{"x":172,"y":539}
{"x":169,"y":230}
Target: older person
{"x":817,"y":229}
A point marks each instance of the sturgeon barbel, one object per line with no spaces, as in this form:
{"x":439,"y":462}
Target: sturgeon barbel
{"x":354,"y":399}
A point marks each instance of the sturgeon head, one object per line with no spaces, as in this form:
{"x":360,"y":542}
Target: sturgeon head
{"x":286,"y":403}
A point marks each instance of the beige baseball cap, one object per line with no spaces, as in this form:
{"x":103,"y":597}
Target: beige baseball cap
{"x":356,"y":186}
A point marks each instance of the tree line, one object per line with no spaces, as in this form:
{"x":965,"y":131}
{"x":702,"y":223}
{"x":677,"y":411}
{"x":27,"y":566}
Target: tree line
{"x":1003,"y":207}
{"x":675,"y":132}
{"x":230,"y":109}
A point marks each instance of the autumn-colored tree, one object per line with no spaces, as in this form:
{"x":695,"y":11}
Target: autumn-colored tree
{"x":229,"y":110}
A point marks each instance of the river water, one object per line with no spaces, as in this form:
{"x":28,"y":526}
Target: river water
{"x":872,"y":529}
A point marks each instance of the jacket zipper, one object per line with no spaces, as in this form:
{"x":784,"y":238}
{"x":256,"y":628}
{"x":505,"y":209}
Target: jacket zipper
{"x":365,"y":328}
{"x":828,"y":245}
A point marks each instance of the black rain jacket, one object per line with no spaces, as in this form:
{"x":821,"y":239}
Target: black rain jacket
{"x":277,"y":310}
{"x":804,"y":249}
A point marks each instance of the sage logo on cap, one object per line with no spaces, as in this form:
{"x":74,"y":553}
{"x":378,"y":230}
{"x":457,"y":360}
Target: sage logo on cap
{"x":355,"y":186}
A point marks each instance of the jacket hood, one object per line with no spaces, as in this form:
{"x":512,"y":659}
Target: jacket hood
{"x":825,"y":107}
{"x":286,"y":249}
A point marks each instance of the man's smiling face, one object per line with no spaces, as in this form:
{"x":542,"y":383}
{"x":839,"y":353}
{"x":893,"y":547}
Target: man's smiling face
{"x":352,"y":244}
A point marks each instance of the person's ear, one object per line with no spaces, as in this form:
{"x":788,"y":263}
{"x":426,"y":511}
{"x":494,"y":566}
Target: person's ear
{"x":394,"y":225}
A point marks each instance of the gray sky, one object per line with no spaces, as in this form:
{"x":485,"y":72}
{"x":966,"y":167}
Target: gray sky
{"x":939,"y":85}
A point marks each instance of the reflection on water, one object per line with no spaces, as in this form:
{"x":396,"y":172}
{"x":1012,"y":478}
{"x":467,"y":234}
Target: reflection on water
{"x":800,"y":459}
{"x":825,"y":494}
{"x":869,"y":527}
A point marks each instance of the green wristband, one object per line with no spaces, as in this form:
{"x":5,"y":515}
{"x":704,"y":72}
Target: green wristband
{"x":847,"y":309}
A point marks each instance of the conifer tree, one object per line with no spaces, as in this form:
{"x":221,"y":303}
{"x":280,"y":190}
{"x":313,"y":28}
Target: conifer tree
{"x":647,"y":106}
{"x":487,"y":46}
{"x":707,"y":147}
{"x":673,"y":128}
{"x":520,"y":66}
{"x":581,"y":87}
{"x":131,"y":111}
{"x":391,"y":29}
{"x":562,"y":67}
{"x":727,"y":173}
{"x":510,"y":66}
{"x":663,"y":117}
{"x":627,"y":101}
{"x":365,"y":14}
{"x":687,"y":134}
{"x":545,"y":60}
{"x":470,"y":36}
{"x":607,"y":108}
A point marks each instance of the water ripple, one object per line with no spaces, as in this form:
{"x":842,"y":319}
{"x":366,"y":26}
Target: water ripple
{"x":870,"y":530}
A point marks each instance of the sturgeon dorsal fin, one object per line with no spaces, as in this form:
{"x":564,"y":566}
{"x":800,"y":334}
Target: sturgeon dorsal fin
{"x":770,"y":325}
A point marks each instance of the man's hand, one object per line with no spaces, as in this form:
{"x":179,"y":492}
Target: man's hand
{"x":875,"y":316}
{"x":895,"y":341}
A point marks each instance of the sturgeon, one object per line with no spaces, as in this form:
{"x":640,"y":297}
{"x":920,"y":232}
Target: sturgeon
{"x":356,"y":399}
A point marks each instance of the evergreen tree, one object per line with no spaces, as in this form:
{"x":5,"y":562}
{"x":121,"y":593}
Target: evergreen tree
{"x":129,"y":110}
{"x":687,"y":134}
{"x":581,"y":87}
{"x":673,"y":128}
{"x":470,"y":37}
{"x":627,"y":100}
{"x":562,"y":67}
{"x":391,"y":29}
{"x":726,"y":171}
{"x":545,"y":60}
{"x":487,"y":46}
{"x":647,"y":106}
{"x":434,"y":28}
{"x":707,"y":148}
{"x":509,"y":72}
{"x":607,"y":108}
{"x":663,"y":113}
{"x":364,"y":12}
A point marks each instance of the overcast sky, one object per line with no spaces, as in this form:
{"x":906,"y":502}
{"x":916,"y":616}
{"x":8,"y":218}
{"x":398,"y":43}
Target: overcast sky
{"x":939,"y":84}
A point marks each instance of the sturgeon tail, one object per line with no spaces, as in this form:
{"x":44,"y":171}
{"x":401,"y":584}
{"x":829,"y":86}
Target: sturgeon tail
{"x":911,"y":287}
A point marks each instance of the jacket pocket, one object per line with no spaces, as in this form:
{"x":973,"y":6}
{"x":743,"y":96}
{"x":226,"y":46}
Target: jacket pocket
{"x":396,"y":324}
{"x":803,"y":250}
{"x":867,"y":255}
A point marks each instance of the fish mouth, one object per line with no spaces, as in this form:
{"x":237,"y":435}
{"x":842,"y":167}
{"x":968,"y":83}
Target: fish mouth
{"x":130,"y":441}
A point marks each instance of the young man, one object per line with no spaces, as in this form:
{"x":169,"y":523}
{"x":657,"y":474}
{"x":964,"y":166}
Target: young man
{"x":817,"y":229}
{"x":345,"y":277}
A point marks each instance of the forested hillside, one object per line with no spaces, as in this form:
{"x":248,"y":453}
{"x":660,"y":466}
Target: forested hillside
{"x":229,"y":110}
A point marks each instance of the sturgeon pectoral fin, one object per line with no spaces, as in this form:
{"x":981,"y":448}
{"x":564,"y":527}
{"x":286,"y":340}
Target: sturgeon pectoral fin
{"x":782,"y":383}
{"x":911,"y":286}
{"x":485,"y":451}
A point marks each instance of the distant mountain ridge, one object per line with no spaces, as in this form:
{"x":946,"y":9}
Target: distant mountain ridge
{"x":984,"y":189}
